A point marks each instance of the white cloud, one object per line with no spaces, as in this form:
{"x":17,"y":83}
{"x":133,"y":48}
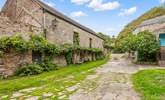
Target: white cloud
{"x":98,"y":5}
{"x":78,"y":14}
{"x":162,"y":1}
{"x":51,"y":4}
{"x":127,"y":12}
{"x":79,"y":2}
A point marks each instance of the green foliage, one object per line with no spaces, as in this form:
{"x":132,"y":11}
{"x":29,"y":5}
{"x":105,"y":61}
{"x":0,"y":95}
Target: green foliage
{"x":16,"y":42}
{"x":76,"y":39}
{"x":154,"y":12}
{"x":29,"y":69}
{"x":34,"y":69}
{"x":36,"y":43}
{"x":69,"y":57}
{"x":150,"y":84}
{"x":145,"y":43}
{"x":51,"y":81}
{"x":128,"y":44}
{"x":1,"y":53}
{"x":69,"y":49}
{"x":39,"y":43}
{"x":48,"y":66}
{"x":147,"y":46}
{"x":108,"y":41}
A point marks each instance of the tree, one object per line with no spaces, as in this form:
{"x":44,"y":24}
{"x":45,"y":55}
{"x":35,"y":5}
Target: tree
{"x":129,"y":43}
{"x":108,"y":41}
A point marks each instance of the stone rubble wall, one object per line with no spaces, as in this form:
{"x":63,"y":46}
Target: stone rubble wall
{"x":12,"y":60}
{"x":155,"y":28}
{"x":27,"y":17}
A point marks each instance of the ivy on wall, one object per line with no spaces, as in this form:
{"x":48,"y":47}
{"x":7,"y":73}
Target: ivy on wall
{"x":36,"y":43}
{"x":40,"y":44}
{"x":76,"y":39}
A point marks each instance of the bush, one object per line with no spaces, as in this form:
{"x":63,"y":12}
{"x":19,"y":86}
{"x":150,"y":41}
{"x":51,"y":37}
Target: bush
{"x":147,"y":47}
{"x":48,"y":66}
{"x":29,"y":69}
{"x":34,"y":69}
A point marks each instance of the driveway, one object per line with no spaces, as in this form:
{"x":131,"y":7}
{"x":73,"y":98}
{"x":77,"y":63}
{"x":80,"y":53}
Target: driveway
{"x":112,"y":81}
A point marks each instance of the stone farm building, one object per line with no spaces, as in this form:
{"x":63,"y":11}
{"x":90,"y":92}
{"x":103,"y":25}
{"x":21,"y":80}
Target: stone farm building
{"x":26,"y":16}
{"x":157,"y":27}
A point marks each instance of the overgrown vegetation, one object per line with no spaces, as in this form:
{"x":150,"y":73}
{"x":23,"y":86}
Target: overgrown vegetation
{"x":41,"y":45}
{"x":36,"y":43}
{"x":150,"y":83}
{"x":144,"y":43}
{"x":15,"y":42}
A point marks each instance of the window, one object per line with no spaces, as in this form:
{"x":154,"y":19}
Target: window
{"x":90,"y":42}
{"x":54,"y":24}
{"x":76,"y":39}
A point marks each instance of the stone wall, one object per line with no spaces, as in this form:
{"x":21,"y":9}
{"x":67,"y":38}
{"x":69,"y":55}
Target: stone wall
{"x":27,"y":17}
{"x":63,"y":33}
{"x":155,"y":28}
{"x":60,"y":60}
{"x":12,"y":60}
{"x":59,"y":31}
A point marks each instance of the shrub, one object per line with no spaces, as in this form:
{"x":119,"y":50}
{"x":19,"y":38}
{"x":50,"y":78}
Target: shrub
{"x":34,"y":69}
{"x":48,"y":66}
{"x":29,"y":69}
{"x":147,"y":47}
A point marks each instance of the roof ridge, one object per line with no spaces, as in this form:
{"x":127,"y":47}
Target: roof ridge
{"x":153,"y":20}
{"x":64,"y":17}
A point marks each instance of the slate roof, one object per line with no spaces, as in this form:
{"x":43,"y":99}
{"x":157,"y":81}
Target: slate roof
{"x":157,"y":20}
{"x":63,"y":17}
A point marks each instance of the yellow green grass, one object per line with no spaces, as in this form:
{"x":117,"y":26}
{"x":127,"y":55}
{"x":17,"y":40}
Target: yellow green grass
{"x":150,"y":84}
{"x":53,"y":82}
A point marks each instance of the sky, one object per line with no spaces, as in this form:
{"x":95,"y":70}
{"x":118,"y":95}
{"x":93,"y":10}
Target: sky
{"x":107,"y":16}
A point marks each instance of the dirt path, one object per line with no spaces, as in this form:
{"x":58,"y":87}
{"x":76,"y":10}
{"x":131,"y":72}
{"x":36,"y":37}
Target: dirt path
{"x":111,"y":81}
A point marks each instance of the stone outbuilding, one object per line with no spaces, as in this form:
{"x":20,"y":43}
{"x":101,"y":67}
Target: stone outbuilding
{"x":35,"y":16}
{"x":157,"y":27}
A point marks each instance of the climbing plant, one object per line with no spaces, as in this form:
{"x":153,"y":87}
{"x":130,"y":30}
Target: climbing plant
{"x":16,"y":42}
{"x":40,"y":44}
{"x":76,"y":39}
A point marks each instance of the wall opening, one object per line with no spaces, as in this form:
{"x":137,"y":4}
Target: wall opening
{"x":36,"y":57}
{"x":90,"y":42}
{"x":76,"y":39}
